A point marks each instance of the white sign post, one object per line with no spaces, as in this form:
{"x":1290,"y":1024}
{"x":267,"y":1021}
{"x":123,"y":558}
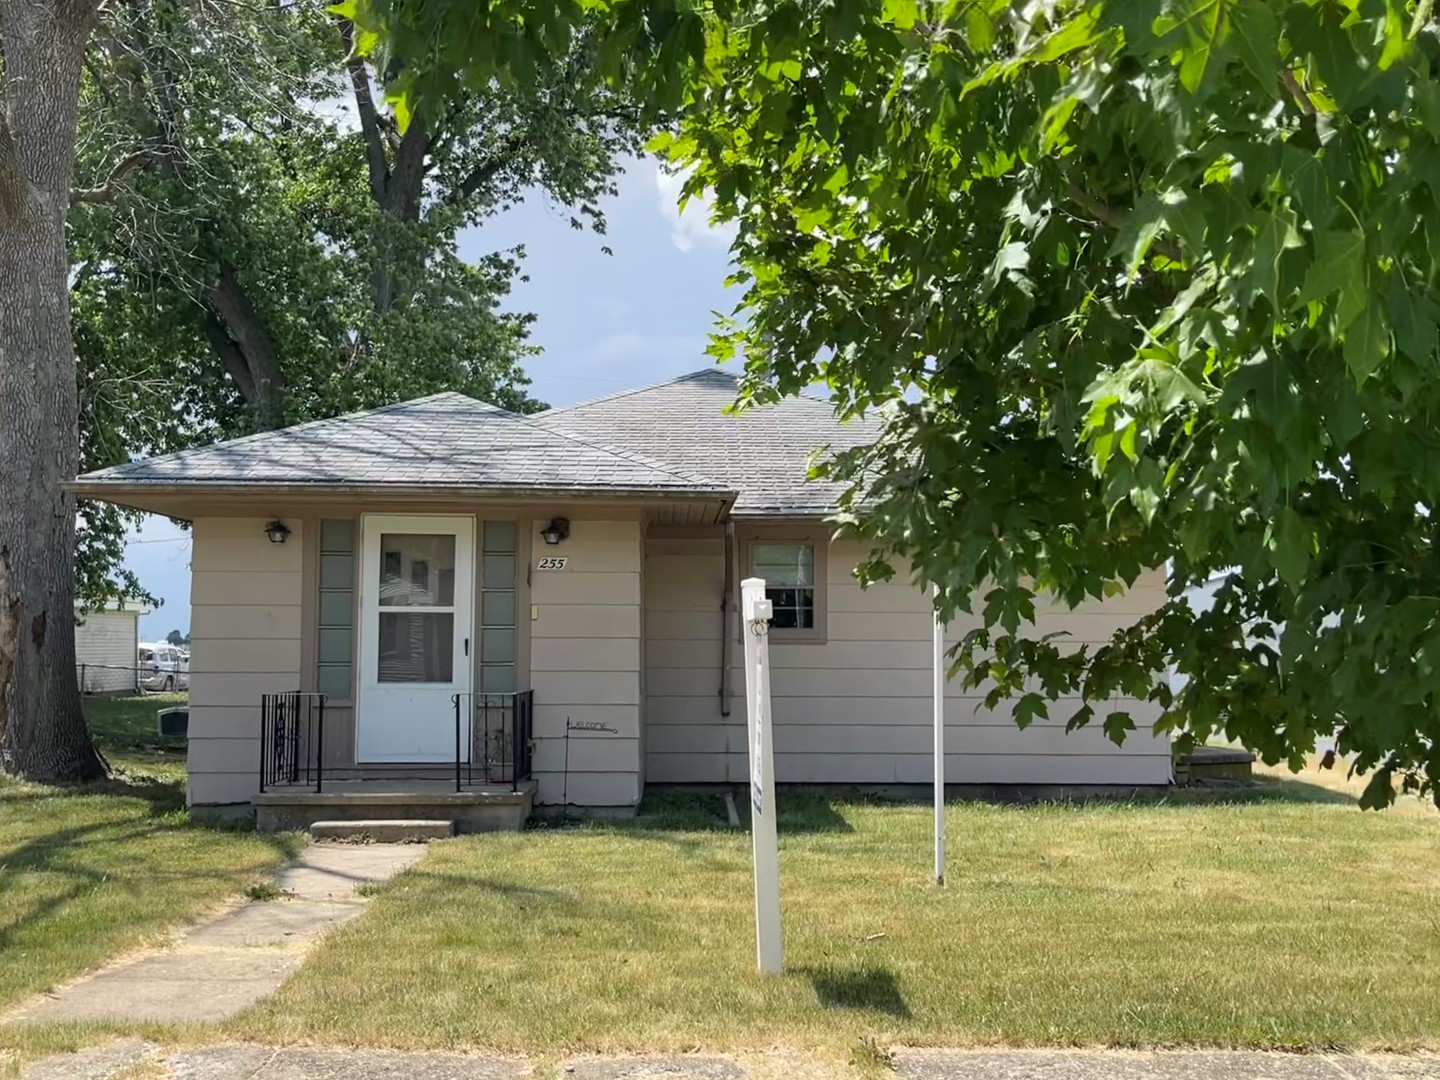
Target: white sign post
{"x":755,"y":615}
{"x":938,"y":674}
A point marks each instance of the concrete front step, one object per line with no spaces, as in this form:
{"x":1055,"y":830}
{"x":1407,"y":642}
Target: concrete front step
{"x":491,"y":810}
{"x":383,"y":830}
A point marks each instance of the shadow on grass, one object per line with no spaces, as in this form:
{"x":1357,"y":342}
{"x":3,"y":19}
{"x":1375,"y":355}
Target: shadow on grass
{"x":163,"y":797}
{"x":507,"y":889}
{"x":1264,"y":789}
{"x":800,"y":810}
{"x":64,"y":853}
{"x":867,"y":989}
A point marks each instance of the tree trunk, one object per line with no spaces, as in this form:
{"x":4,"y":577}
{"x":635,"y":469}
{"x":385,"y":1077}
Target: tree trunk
{"x":42,"y":728}
{"x":260,"y":381}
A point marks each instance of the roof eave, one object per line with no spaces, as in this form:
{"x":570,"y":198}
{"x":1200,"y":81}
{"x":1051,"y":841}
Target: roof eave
{"x":167,"y":496}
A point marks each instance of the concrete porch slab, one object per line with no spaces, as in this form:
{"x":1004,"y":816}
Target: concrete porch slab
{"x":471,"y":811}
{"x":383,"y":830}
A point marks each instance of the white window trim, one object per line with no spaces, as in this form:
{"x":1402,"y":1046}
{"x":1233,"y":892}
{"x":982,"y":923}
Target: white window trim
{"x":818,"y":634}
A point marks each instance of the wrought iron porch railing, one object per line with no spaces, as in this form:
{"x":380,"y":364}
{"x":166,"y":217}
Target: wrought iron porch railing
{"x":500,"y":740}
{"x":495,"y":748}
{"x":292,"y":739}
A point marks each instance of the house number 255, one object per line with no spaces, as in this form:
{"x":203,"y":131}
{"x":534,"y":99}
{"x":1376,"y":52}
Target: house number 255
{"x":550,"y":562}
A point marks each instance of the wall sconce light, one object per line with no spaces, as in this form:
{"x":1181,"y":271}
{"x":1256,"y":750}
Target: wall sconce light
{"x":277,"y":531}
{"x":557,"y":530}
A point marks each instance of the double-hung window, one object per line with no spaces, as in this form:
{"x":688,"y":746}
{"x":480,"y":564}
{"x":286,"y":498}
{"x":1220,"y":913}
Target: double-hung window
{"x":792,"y":573}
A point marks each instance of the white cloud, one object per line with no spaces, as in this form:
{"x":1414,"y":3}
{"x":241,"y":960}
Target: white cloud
{"x":692,"y":227}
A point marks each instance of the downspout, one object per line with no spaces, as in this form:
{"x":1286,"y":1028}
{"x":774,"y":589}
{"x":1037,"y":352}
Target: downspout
{"x":725,"y":618}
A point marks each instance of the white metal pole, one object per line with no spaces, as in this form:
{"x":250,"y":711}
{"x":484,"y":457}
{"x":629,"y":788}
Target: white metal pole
{"x":755,"y":615}
{"x":939,"y":691}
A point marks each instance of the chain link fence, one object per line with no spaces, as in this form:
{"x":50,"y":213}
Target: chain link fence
{"x":137,"y":678}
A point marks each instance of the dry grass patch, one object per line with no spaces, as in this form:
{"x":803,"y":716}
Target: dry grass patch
{"x":1284,"y":917}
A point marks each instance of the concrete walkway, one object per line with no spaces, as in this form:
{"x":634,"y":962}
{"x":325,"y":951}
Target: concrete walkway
{"x":1165,"y":1065}
{"x":243,"y":1062}
{"x":221,"y":967}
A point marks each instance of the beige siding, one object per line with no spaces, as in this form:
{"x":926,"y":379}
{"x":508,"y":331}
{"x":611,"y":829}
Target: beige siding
{"x":629,"y":636}
{"x":245,"y":641}
{"x":585,"y":664}
{"x":105,"y":651}
{"x":688,"y":740}
{"x":582,"y":650}
{"x":857,"y":707}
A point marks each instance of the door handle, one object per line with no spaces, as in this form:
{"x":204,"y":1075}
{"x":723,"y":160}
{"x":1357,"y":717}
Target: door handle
{"x":467,"y":646}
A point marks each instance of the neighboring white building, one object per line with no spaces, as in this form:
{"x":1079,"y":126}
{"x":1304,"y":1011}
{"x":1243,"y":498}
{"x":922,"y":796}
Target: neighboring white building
{"x":105,"y":643}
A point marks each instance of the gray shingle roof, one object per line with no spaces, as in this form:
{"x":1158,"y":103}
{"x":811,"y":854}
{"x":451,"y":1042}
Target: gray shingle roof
{"x":763,"y":453}
{"x":447,"y":440}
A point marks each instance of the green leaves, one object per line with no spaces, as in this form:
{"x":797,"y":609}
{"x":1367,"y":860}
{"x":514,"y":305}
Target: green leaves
{"x":1164,"y":385}
{"x":1010,"y":264}
{"x":1123,"y":286}
{"x":1275,"y":233}
{"x":1206,"y":25}
{"x":1117,"y":725}
{"x":1366,"y":341}
{"x":349,"y":280}
{"x":1257,"y":37}
{"x":903,"y":14}
{"x":1142,"y":225}
{"x":1291,"y":545}
{"x":1339,"y":267}
{"x":1029,"y":708}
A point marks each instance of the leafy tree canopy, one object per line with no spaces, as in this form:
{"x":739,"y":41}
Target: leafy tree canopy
{"x":1131,"y":283}
{"x":261,"y":243}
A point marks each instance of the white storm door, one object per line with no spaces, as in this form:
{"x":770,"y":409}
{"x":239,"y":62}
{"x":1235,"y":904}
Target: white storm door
{"x":417,"y":593}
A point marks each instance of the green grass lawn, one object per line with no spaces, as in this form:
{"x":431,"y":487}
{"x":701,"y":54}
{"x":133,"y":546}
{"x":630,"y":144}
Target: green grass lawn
{"x":125,"y":730}
{"x":87,"y":873}
{"x":1284,"y":917}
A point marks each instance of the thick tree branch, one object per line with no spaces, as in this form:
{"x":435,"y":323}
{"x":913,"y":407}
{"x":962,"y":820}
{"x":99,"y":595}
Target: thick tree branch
{"x":402,"y":201}
{"x":229,"y":355}
{"x":252,"y":339}
{"x":80,"y":15}
{"x":107,"y":191}
{"x":1104,"y":215}
{"x":369,"y":117}
{"x":407,"y":181}
{"x":487,"y":170}
{"x":1298,"y":92}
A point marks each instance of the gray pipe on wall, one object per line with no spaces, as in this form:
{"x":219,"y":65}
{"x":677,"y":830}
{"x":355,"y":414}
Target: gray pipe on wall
{"x":725,"y":618}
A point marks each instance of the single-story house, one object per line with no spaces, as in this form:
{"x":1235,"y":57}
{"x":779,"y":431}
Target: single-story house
{"x":547,"y":604}
{"x":106,"y":639}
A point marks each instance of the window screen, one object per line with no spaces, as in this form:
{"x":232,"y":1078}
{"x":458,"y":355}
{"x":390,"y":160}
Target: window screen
{"x":789,"y":573}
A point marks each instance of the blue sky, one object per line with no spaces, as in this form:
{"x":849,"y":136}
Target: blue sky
{"x":605,"y":322}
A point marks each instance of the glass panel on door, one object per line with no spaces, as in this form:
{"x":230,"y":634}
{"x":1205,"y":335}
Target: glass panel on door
{"x":417,"y":647}
{"x":417,"y":571}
